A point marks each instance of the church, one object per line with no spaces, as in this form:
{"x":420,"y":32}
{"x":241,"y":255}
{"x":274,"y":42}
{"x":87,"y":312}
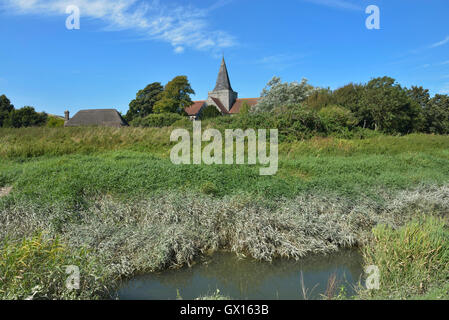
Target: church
{"x":222,"y":97}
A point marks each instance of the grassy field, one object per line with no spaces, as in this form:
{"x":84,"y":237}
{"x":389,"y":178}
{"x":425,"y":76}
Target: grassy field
{"x":112,"y":199}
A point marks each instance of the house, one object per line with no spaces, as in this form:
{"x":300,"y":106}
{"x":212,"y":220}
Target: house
{"x":95,"y":117}
{"x":222,"y":97}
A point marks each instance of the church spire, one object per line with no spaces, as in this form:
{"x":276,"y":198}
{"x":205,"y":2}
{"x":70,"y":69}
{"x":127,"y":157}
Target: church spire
{"x":223,"y":82}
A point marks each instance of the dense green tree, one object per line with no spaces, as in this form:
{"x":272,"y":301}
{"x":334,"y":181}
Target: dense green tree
{"x":176,"y":96}
{"x":144,"y":102}
{"x":389,"y":107}
{"x":209,"y":112}
{"x":167,"y":105}
{"x":27,"y":117}
{"x":319,"y":98}
{"x":5,"y":109}
{"x":437,"y":115}
{"x":420,"y":95}
{"x":348,"y":96}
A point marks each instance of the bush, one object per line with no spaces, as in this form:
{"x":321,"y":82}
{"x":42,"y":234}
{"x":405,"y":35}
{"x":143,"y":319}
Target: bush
{"x":183,"y":123}
{"x":26,"y":117}
{"x":295,"y":122}
{"x":209,"y":112}
{"x":55,"y":122}
{"x":157,"y":120}
{"x":336,"y":118}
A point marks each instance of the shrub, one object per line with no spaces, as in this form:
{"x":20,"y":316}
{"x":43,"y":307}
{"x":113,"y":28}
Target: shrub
{"x":183,"y":123}
{"x":296,"y":122}
{"x":26,"y":117}
{"x":336,"y":118}
{"x":157,"y":120}
{"x":209,"y":112}
{"x":55,"y":122}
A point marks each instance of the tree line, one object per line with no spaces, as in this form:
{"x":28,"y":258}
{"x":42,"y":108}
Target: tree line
{"x":381,"y":104}
{"x":17,"y":118}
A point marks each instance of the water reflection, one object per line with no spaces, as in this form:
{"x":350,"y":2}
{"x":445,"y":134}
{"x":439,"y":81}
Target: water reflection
{"x":249,"y":279}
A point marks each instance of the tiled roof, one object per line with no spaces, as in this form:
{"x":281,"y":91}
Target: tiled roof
{"x":195,"y":108}
{"x":220,"y":105}
{"x":239,"y":102}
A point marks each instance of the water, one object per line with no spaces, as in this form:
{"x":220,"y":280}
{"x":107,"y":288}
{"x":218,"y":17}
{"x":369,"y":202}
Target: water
{"x":249,"y":279}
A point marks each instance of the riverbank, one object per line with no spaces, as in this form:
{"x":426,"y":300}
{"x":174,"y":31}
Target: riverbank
{"x":117,"y":240}
{"x":104,"y":201}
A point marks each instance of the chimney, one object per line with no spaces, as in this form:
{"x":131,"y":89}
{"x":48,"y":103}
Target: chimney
{"x":66,"y":115}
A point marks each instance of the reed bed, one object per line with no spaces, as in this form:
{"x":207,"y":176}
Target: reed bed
{"x":173,"y":230}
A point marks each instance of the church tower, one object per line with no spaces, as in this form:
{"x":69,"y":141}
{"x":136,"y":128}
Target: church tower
{"x":223,"y":90}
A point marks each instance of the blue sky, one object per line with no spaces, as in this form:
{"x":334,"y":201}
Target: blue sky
{"x":124,"y":45}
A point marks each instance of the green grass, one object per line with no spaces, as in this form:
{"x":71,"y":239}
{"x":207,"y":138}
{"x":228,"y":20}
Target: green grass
{"x":413,"y":260}
{"x":70,"y":164}
{"x":26,"y":143}
{"x":129,"y":175}
{"x":34,"y":268}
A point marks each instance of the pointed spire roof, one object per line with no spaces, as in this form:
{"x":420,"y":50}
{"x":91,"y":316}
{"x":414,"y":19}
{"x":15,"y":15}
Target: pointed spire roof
{"x":223,"y":82}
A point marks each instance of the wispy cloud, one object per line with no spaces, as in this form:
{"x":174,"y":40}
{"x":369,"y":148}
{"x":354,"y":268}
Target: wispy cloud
{"x":440,"y":43}
{"x":339,"y":4}
{"x":280,"y":61}
{"x":445,"y":62}
{"x":219,"y":4}
{"x":183,"y":26}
